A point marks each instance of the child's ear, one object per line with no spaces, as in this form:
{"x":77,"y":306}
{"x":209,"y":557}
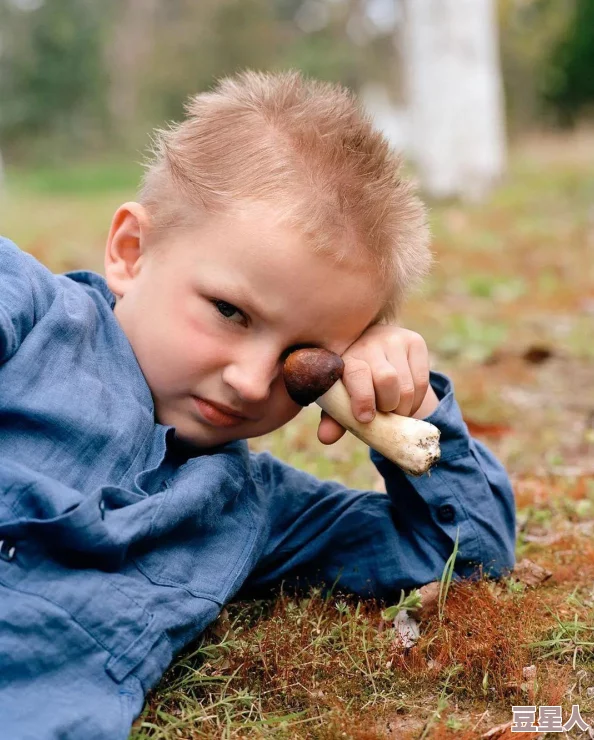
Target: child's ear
{"x":125,"y":246}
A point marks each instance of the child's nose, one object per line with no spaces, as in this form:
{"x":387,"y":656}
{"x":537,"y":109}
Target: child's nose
{"x":253,"y":377}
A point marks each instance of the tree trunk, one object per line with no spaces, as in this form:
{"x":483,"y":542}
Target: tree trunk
{"x":126,"y":56}
{"x":454,"y":93}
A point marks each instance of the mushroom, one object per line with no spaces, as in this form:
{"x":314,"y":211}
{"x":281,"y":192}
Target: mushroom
{"x":313,"y":374}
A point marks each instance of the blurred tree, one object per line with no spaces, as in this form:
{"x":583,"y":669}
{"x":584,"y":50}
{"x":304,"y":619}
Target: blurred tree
{"x":199,"y":42}
{"x":454,"y":95}
{"x":127,"y":52}
{"x":51,"y":73}
{"x":569,"y":77}
{"x":529,"y":30}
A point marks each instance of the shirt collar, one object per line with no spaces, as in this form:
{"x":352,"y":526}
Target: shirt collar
{"x":122,"y":347}
{"x":95,"y":281}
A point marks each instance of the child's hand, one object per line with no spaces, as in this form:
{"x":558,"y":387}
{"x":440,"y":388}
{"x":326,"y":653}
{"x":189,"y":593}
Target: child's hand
{"x":386,"y":369}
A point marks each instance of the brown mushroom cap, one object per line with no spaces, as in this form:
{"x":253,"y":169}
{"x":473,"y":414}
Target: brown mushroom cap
{"x":310,"y":372}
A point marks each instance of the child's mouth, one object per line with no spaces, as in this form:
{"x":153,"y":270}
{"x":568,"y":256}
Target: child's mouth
{"x":213,"y":415}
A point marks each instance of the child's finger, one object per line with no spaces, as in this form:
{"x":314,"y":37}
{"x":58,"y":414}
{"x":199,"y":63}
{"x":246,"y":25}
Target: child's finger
{"x":418,"y":362}
{"x":358,"y":381}
{"x":398,"y":360}
{"x":386,"y":380}
{"x":329,"y":430}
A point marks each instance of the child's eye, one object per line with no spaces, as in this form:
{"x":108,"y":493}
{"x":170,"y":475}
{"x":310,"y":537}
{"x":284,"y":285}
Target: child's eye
{"x":228,"y":309}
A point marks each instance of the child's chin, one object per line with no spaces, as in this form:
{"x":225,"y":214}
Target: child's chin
{"x":201,"y":441}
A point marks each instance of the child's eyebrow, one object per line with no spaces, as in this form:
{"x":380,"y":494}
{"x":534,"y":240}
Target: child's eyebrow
{"x":252,"y":307}
{"x":236,"y":293}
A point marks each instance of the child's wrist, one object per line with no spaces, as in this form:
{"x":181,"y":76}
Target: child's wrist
{"x":430,"y":403}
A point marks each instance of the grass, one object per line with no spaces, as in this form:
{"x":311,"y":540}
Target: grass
{"x":446,"y":579}
{"x":508,"y":313}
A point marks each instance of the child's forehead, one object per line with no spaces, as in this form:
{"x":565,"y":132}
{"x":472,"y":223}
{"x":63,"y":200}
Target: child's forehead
{"x":275,"y":254}
{"x":265,"y":235}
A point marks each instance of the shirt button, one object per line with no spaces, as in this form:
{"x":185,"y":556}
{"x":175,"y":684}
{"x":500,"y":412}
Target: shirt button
{"x":446,"y":513}
{"x":7,"y":550}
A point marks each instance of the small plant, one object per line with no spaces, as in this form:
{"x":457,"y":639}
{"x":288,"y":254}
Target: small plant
{"x":446,"y":577}
{"x":410,"y":602}
{"x":442,"y":702}
{"x":454,"y":724}
{"x":569,"y":637}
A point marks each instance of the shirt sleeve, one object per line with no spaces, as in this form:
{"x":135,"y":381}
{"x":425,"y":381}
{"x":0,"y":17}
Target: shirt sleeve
{"x":373,"y":544}
{"x":27,"y":289}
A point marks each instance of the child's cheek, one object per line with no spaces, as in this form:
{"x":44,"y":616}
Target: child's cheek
{"x":200,"y":339}
{"x":199,"y":328}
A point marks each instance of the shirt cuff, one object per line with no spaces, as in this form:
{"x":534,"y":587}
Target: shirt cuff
{"x":447,"y":417}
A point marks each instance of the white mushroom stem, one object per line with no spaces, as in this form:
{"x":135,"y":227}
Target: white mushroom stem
{"x":412,"y":444}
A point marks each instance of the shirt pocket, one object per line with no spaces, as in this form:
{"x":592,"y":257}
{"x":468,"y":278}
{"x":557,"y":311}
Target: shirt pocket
{"x":208,"y":532}
{"x":107,"y":606}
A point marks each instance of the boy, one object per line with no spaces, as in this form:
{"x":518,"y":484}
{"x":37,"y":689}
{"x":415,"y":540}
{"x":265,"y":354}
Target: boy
{"x":130,"y":507}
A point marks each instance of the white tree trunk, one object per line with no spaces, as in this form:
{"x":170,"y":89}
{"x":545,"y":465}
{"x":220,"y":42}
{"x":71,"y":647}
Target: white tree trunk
{"x":455,"y":97}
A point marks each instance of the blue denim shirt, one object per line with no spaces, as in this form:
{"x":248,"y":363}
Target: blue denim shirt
{"x":105,"y":518}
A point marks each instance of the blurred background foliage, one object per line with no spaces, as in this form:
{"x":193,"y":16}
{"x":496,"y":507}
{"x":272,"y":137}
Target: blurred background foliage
{"x":84,"y":78}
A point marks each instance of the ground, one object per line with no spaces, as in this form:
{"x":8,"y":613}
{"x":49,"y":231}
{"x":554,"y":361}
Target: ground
{"x":509,"y":314}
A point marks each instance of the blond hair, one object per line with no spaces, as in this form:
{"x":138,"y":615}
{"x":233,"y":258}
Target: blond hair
{"x":306,"y":147}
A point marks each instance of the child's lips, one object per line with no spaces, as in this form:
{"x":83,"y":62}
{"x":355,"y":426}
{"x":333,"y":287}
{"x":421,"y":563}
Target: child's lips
{"x":218,"y":415}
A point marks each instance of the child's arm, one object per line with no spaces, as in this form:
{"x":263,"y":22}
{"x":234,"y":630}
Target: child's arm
{"x":27,"y":288}
{"x":376,"y":544}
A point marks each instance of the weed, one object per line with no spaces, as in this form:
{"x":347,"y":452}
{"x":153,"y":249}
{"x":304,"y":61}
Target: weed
{"x":409,"y":602}
{"x":572,"y":637}
{"x":446,"y":577}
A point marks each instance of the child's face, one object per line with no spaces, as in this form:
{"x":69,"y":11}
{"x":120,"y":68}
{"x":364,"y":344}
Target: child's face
{"x":211,"y":315}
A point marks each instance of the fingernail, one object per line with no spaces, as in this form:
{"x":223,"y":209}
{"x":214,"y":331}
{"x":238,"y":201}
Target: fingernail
{"x":366,"y":417}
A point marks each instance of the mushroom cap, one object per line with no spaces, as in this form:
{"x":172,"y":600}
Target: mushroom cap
{"x":309,"y":372}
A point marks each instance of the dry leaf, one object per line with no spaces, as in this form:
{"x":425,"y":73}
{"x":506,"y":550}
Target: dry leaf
{"x":497,"y":731}
{"x":429,"y":601}
{"x":504,"y":731}
{"x":530,"y":573}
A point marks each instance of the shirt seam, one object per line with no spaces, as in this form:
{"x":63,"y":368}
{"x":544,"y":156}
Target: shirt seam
{"x":10,"y":326}
{"x":141,"y":447}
